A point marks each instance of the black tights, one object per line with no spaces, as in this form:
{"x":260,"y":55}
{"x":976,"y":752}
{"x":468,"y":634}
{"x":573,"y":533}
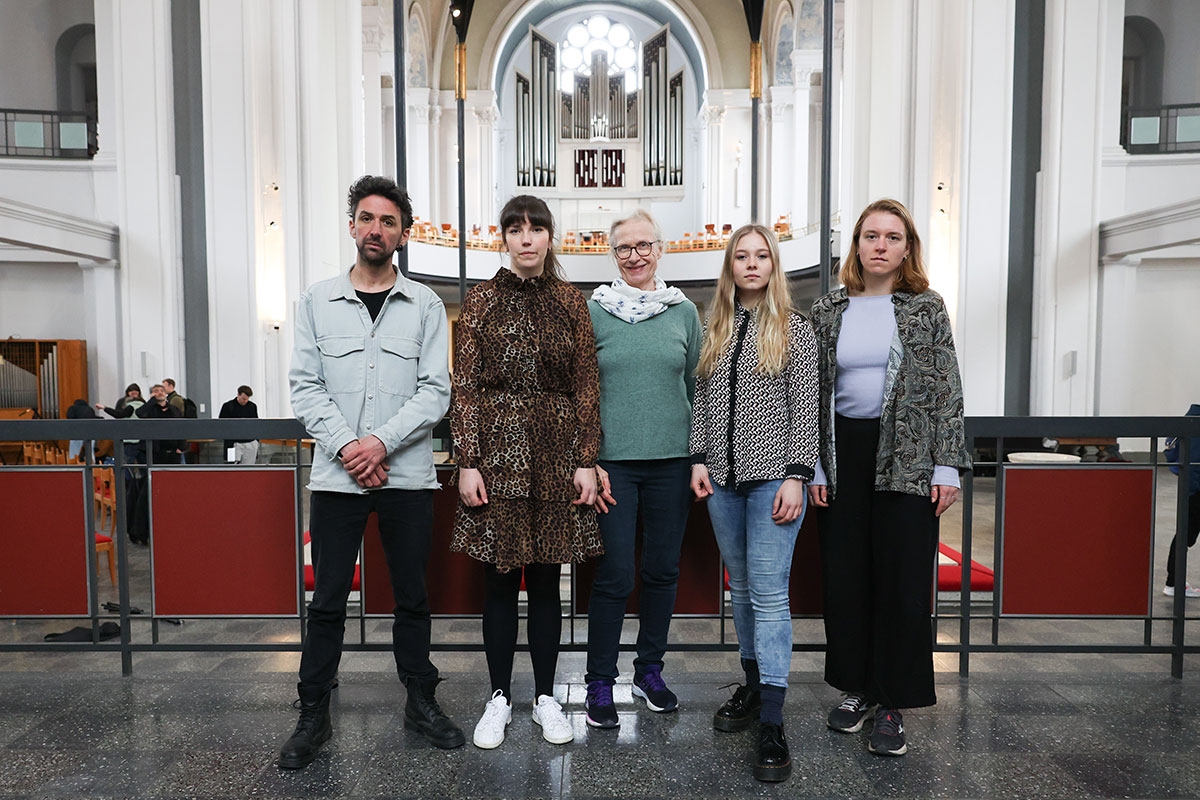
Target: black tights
{"x":544,"y":625}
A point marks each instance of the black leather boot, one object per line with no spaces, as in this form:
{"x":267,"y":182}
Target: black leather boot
{"x":736,"y":713}
{"x":422,"y":713}
{"x":773,"y":762}
{"x":312,"y":731}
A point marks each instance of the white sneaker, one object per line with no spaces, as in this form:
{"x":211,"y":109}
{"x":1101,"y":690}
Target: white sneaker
{"x":1188,"y":591}
{"x":555,"y":728}
{"x":489,"y":731}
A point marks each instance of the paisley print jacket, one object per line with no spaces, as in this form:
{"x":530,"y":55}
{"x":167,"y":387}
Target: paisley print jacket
{"x":922,"y":420}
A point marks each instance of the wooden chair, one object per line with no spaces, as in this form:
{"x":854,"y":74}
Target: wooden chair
{"x":105,"y":504}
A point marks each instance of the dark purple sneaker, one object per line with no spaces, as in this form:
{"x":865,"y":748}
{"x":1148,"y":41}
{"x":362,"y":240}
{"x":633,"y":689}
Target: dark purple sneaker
{"x":648,"y":685}
{"x":601,"y":712}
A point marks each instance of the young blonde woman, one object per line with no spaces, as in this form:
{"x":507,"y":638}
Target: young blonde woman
{"x":892,"y":446}
{"x":754,"y":446}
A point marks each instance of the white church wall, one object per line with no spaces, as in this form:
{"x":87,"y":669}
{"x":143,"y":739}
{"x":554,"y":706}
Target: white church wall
{"x":1179,"y":22}
{"x":42,"y":300}
{"x":1147,"y":361}
{"x":28,"y":35}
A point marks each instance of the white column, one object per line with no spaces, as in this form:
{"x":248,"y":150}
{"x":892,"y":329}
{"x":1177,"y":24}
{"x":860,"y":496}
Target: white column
{"x":102,"y":326}
{"x":1066,"y":272}
{"x":330,"y":154}
{"x":713,"y":118}
{"x":232,"y":57}
{"x":141,"y":130}
{"x":782,"y":140}
{"x":879,"y":103}
{"x":980,"y":222}
{"x":481,"y":179}
{"x":1118,"y":345}
{"x":805,"y":171}
{"x":372,"y":40}
{"x":421,"y":186}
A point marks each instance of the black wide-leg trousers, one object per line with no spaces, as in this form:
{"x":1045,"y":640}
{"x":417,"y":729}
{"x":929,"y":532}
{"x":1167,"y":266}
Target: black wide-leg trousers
{"x":877,"y":559}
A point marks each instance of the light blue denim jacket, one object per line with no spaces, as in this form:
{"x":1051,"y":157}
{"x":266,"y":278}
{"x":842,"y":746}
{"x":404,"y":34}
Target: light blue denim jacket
{"x":351,"y":377}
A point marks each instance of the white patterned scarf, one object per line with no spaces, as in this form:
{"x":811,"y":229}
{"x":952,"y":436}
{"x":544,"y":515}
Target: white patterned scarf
{"x":633,"y":305}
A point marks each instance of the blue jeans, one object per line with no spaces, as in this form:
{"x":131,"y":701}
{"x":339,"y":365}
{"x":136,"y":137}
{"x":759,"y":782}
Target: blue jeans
{"x":758,"y":558}
{"x":659,"y":488}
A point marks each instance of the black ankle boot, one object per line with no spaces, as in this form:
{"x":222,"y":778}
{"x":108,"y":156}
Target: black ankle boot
{"x":422,"y":713}
{"x":773,"y":762}
{"x":312,"y":731}
{"x":736,"y":713}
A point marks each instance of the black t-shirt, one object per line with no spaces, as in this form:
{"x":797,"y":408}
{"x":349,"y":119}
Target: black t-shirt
{"x":373,"y":301}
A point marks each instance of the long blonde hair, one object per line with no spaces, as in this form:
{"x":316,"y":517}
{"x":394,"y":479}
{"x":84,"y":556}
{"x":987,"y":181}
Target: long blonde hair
{"x":773,"y":310}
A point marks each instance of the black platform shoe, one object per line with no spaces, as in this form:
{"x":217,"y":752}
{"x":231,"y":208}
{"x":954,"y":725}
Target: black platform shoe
{"x":773,"y":763}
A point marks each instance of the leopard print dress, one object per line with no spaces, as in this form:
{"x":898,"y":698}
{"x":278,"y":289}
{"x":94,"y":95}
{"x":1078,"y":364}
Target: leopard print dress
{"x":525,"y":412}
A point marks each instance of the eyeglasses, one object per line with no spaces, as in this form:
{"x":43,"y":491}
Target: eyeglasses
{"x":626,"y":250}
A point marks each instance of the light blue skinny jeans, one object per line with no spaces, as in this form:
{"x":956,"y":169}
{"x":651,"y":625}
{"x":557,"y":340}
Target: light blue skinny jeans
{"x":758,"y":558}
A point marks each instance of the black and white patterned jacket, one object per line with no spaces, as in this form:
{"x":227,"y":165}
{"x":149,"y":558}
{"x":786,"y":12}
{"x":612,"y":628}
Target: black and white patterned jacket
{"x":751,"y":427}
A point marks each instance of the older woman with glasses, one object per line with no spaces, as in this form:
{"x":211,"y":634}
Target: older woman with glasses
{"x":647,"y":344}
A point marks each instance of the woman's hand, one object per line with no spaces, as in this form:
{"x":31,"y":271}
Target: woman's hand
{"x":604,"y":496}
{"x":818,"y":495}
{"x":944,"y":496}
{"x":701,"y":485}
{"x":470,"y":488}
{"x":789,"y":502}
{"x":585,"y":484}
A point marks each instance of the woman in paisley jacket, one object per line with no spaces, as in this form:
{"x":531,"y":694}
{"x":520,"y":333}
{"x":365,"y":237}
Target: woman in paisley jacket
{"x":892,"y":447}
{"x":753,"y":446}
{"x":526,"y":423}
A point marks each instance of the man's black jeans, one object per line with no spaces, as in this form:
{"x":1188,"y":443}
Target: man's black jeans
{"x":336,"y":525}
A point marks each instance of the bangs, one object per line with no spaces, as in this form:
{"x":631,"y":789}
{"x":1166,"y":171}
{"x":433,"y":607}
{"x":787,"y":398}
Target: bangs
{"x":526,"y":207}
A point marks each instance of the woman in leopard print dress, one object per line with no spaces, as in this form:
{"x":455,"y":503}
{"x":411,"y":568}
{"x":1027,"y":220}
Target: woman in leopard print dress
{"x":526,"y":423}
{"x":754,"y":445}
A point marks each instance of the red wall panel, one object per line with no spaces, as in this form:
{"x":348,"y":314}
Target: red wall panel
{"x":224,"y":542}
{"x":44,"y":541}
{"x":1077,"y":540}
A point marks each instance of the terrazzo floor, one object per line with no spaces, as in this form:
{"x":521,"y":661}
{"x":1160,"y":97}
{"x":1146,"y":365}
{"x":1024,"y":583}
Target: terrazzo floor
{"x":209,"y":725}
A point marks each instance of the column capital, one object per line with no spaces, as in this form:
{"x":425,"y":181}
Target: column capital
{"x":712,"y":115}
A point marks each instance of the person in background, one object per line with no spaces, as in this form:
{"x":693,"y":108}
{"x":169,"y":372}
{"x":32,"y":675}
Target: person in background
{"x":526,"y":424}
{"x":165,"y":451}
{"x":647,"y":346}
{"x":754,"y":445}
{"x":78,"y":410}
{"x":1193,"y":512}
{"x":892,"y":446}
{"x":174,"y":397}
{"x":245,"y":451}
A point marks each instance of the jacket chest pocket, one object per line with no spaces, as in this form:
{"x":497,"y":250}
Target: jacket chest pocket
{"x":398,"y":358}
{"x":342,"y":358}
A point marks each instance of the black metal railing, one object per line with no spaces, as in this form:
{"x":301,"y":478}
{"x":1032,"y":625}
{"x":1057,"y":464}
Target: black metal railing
{"x":967,"y":622}
{"x":26,"y":133}
{"x":1161,"y":129}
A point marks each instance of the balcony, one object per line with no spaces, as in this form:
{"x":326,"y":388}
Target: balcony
{"x":1162,"y":129}
{"x":47,"y":134}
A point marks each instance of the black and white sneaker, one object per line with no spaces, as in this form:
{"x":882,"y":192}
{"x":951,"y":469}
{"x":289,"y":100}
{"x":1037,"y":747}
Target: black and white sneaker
{"x":888,"y":737}
{"x":850,"y":715}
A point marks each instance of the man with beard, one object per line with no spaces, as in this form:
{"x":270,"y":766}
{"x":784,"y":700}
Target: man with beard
{"x":369,"y":380}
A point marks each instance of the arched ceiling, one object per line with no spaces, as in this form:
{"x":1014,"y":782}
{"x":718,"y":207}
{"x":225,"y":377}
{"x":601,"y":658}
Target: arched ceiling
{"x":661,"y":12}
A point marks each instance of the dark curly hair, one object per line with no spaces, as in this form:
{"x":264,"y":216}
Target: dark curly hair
{"x":368,"y":185}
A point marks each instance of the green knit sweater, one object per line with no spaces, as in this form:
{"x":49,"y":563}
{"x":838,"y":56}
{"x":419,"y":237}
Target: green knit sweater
{"x":647,"y":381}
